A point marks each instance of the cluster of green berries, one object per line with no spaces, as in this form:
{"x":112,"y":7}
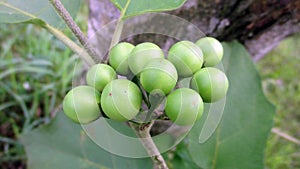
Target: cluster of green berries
{"x":110,"y":90}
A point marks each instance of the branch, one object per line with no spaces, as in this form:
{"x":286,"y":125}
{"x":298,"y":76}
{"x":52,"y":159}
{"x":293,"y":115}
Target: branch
{"x":143,"y":132}
{"x":59,"y":7}
{"x":264,"y":42}
{"x":285,"y":136}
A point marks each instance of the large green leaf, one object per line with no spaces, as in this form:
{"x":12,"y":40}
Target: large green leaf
{"x":137,"y":7}
{"x":64,"y":145}
{"x":15,"y":11}
{"x":240,"y":138}
{"x":182,"y":158}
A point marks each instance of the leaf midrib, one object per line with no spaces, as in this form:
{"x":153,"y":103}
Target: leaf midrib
{"x":218,"y":141}
{"x":214,"y":162}
{"x":18,"y":10}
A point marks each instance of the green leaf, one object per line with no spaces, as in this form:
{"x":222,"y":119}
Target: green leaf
{"x":16,"y":11}
{"x":64,"y":145}
{"x":240,"y":138}
{"x":137,"y":7}
{"x":182,"y":158}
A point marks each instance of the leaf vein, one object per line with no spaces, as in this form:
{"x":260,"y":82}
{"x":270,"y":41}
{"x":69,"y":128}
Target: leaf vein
{"x":18,"y":10}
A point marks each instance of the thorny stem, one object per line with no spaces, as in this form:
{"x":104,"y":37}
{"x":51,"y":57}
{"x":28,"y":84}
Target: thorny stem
{"x":143,"y":132}
{"x":59,"y":7}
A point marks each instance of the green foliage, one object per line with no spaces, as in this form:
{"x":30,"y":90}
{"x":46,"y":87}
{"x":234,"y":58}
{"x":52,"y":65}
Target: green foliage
{"x":72,"y":150}
{"x":280,"y":73}
{"x":34,"y":64}
{"x":37,"y":11}
{"x":35,"y":73}
{"x":180,"y":158}
{"x":138,"y":7}
{"x":241,"y":136}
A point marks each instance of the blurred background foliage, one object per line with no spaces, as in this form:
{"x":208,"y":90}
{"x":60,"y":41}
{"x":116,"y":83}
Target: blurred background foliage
{"x":35,"y":74}
{"x":280,"y":72}
{"x":36,"y":71}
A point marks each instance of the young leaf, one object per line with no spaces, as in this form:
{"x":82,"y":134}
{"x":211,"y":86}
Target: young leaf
{"x":16,"y":11}
{"x":63,"y":144}
{"x":137,"y":7}
{"x":240,"y":138}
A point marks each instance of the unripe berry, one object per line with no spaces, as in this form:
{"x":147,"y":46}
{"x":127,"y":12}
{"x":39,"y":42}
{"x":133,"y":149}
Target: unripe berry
{"x":211,"y":83}
{"x":118,"y":57}
{"x":159,"y":74}
{"x":121,"y":100}
{"x":100,"y":75}
{"x":81,"y":104}
{"x":142,"y":54}
{"x":187,"y":58}
{"x":184,"y":106}
{"x":212,"y":51}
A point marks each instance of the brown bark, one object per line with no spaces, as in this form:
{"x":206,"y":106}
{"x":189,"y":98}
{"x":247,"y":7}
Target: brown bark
{"x":259,"y":24}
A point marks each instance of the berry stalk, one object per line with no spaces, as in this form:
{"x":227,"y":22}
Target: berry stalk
{"x":143,"y":132}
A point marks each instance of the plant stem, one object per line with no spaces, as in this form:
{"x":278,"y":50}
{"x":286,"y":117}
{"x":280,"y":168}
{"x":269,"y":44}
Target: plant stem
{"x":8,"y":140}
{"x":67,"y":41}
{"x":65,"y":15}
{"x":118,"y":30}
{"x":285,"y":136}
{"x":116,"y":37}
{"x":143,"y":132}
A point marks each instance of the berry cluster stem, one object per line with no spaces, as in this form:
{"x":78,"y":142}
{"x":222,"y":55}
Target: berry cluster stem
{"x":143,"y":132}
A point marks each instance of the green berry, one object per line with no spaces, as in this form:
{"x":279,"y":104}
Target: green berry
{"x":184,"y":106}
{"x":121,"y":100}
{"x":186,"y":57}
{"x":100,"y":75}
{"x":211,"y":83}
{"x":142,"y":54}
{"x":81,"y":104}
{"x":212,"y":51}
{"x":118,"y":57}
{"x":159,"y":74}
